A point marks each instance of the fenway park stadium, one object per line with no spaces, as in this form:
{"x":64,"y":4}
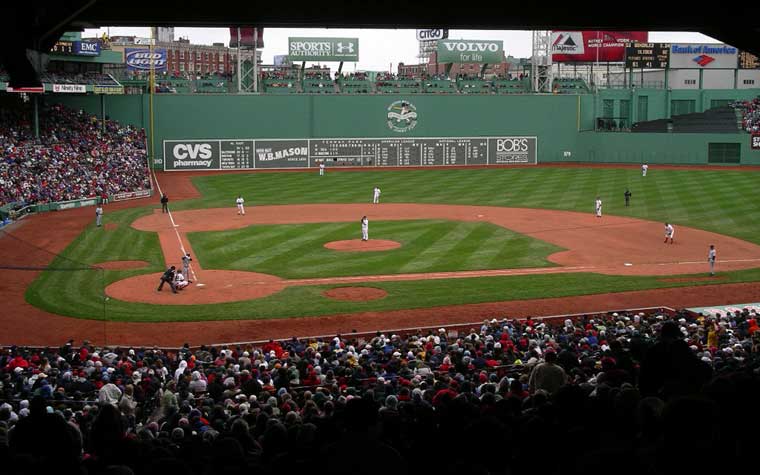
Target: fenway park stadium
{"x":237,"y":240}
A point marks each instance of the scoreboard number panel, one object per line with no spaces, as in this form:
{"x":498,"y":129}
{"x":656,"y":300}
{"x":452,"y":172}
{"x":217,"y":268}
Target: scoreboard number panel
{"x":647,"y":56}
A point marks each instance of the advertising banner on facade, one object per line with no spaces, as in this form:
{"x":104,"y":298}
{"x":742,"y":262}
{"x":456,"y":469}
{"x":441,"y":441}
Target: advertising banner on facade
{"x":70,"y":88}
{"x":592,"y":46}
{"x":140,"y":59}
{"x":703,"y":56}
{"x":87,"y":48}
{"x":432,"y":34}
{"x":130,"y":195}
{"x":191,"y":155}
{"x":108,"y":89}
{"x":470,"y":51}
{"x":725,"y":309}
{"x":323,"y":49}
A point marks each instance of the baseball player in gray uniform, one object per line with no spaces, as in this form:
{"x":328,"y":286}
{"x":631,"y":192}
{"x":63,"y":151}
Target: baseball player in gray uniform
{"x":598,"y":204}
{"x":711,"y":256}
{"x":186,"y":266}
{"x":376,"y":195}
{"x":99,"y":215}
{"x":669,"y":232}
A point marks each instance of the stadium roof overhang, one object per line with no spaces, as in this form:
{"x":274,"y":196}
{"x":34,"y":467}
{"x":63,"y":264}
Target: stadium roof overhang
{"x":37,"y":25}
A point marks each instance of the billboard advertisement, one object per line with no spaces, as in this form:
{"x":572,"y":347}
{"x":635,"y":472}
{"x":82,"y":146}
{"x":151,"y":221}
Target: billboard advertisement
{"x":323,"y":49}
{"x":140,"y":59}
{"x":192,"y":155}
{"x":432,"y":34}
{"x":703,"y":56}
{"x":471,"y":51}
{"x":647,"y":55}
{"x":248,"y":37}
{"x":70,"y":88}
{"x":87,"y":48}
{"x":592,"y":46}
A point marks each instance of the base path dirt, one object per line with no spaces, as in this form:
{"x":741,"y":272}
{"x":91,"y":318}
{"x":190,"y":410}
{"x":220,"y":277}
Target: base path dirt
{"x":357,"y":245}
{"x":31,"y":244}
{"x":355,"y":294}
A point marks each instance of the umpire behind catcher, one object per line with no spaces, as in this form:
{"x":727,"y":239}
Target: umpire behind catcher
{"x":168,"y":278}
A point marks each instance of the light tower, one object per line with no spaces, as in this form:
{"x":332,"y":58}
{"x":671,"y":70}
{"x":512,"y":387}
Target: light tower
{"x":541,"y":61}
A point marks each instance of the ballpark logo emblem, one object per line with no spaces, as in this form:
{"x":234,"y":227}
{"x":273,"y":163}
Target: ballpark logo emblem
{"x":568,"y":42}
{"x":402,"y":116}
{"x":703,"y":60}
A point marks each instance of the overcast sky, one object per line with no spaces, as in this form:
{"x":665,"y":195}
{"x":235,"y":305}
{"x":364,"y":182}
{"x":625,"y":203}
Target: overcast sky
{"x":378,"y":49}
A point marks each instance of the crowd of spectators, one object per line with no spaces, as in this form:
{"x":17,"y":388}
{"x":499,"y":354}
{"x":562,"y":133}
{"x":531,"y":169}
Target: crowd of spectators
{"x":74,"y":157}
{"x":750,"y":115}
{"x":94,"y":78}
{"x":629,"y":392}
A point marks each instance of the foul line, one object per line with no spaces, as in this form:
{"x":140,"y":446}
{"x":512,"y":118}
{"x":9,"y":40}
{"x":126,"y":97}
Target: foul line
{"x":174,"y":227}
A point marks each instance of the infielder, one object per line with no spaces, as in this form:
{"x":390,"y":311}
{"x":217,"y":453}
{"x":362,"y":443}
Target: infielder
{"x":644,"y":169}
{"x":669,"y":232}
{"x":711,"y":255}
{"x":598,"y":204}
{"x":239,"y":201}
{"x":365,"y":229}
{"x":322,"y":168}
{"x":186,"y":266}
{"x":99,"y":215}
{"x":376,"y":196}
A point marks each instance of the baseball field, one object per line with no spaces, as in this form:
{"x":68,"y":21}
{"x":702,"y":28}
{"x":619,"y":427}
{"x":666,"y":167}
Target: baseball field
{"x":445,"y":244}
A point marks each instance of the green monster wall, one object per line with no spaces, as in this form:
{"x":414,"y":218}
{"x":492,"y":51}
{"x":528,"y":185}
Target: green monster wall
{"x":563,"y":123}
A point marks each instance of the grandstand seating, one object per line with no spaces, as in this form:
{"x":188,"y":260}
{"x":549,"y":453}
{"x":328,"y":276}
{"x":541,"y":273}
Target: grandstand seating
{"x":623,"y":379}
{"x":355,"y":84}
{"x":570,"y":86}
{"x":474,"y":85}
{"x":440,"y":86}
{"x":506,"y":86}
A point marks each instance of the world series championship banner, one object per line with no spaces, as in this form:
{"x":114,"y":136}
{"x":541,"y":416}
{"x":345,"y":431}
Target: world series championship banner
{"x":250,"y":154}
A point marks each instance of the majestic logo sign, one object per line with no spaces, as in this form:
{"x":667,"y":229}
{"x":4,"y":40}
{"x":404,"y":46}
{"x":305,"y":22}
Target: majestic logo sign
{"x":141,"y":59}
{"x":568,"y":42}
{"x":703,"y":60}
{"x":402,"y":116}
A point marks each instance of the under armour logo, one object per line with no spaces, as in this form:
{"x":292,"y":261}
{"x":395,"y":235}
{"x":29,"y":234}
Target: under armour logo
{"x":348,"y":48}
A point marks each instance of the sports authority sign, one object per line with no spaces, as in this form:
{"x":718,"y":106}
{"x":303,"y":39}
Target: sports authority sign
{"x":246,"y":154}
{"x":323,"y":49}
{"x":471,"y":51}
{"x":432,"y":34}
{"x":590,"y":46}
{"x":70,"y":88}
{"x":703,"y":56}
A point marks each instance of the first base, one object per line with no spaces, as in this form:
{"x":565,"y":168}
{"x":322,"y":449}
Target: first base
{"x":627,"y":264}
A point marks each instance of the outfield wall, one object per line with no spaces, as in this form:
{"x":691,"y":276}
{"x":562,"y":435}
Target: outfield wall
{"x":562,"y":124}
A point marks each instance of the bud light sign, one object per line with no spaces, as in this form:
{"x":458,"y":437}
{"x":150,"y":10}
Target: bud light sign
{"x":140,"y":59}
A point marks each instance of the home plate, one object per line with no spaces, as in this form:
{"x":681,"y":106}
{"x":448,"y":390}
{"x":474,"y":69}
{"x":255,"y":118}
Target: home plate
{"x":627,"y":264}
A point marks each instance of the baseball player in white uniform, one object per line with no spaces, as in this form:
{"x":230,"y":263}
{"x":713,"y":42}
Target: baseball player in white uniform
{"x":644,"y":169}
{"x":711,"y":256}
{"x":322,"y":168}
{"x":376,"y":195}
{"x":598,"y":205}
{"x":365,"y":229}
{"x":669,"y":232}
{"x":239,"y":201}
{"x":179,"y":281}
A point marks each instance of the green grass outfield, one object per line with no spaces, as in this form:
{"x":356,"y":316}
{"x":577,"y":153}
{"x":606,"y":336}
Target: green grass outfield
{"x":296,"y":251}
{"x":722,"y":201}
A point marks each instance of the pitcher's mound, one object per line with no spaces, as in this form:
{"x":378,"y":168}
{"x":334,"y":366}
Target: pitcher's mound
{"x":357,"y":245}
{"x":355,"y":294}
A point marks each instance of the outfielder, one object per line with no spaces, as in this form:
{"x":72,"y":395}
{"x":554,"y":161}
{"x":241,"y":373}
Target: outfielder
{"x":239,"y":201}
{"x":598,"y":204}
{"x":365,"y":229}
{"x":186,"y":266}
{"x":322,"y":168}
{"x":669,"y":232}
{"x":711,"y":255}
{"x":644,"y":169}
{"x":99,"y":215}
{"x":376,"y":196}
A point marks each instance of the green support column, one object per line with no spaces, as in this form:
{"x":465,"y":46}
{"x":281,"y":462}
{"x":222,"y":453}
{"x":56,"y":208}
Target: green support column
{"x":36,"y":117}
{"x":103,"y":112}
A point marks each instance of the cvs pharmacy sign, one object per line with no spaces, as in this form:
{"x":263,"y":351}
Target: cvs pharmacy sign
{"x":191,"y":155}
